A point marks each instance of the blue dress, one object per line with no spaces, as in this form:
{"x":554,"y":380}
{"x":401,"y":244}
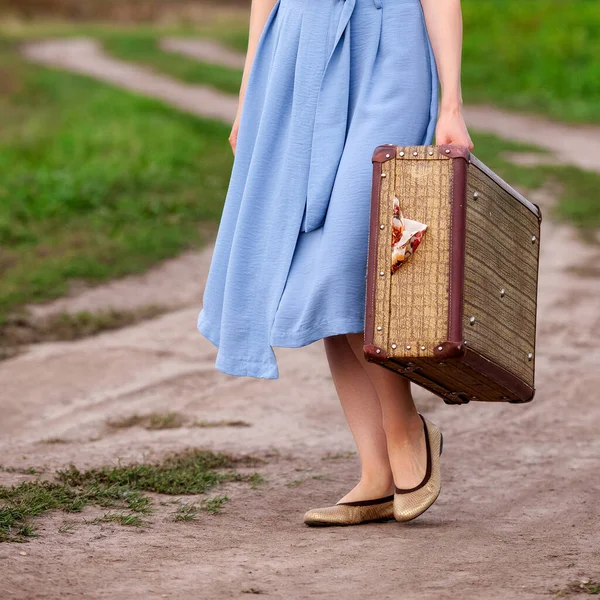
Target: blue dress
{"x":331,"y":80}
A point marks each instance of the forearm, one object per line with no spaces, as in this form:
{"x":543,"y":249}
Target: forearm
{"x":258,"y":17}
{"x":445,"y":28}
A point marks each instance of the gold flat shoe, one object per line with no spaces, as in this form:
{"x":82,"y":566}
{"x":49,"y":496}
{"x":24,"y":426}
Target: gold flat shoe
{"x":352,"y":513}
{"x":409,"y":504}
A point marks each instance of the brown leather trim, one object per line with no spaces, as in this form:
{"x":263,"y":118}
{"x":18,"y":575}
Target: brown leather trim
{"x":535,"y":322}
{"x":427,"y":476}
{"x":508,"y":188}
{"x":457,"y":249}
{"x":380,"y":154}
{"x":372,"y":257}
{"x":372,"y":355}
{"x":506,"y":379}
{"x":367,"y":502}
{"x":446,"y":350}
{"x":455,"y":151}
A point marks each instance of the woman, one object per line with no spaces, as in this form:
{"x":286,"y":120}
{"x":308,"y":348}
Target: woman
{"x":325,"y":82}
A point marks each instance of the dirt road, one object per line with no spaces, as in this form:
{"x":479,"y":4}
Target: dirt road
{"x":518,"y":515}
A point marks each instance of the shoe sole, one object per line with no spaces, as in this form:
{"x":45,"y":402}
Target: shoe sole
{"x":322,"y":524}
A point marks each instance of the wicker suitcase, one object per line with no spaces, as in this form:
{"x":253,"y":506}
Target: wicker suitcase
{"x":459,"y":316}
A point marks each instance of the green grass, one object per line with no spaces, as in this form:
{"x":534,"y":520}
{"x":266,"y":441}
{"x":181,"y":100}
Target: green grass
{"x":578,"y":200}
{"x":96,"y":182}
{"x":122,"y":487}
{"x":189,"y":512}
{"x":538,"y":55}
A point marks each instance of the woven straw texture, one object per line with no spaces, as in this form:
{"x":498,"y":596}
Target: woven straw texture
{"x":500,"y":255}
{"x":412,"y":304}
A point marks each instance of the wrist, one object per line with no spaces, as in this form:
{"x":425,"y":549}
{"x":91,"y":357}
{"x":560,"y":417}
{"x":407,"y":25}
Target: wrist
{"x":451,"y":107}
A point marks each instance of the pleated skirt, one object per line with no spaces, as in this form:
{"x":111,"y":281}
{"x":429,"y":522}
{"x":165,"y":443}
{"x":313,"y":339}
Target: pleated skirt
{"x":331,"y":80}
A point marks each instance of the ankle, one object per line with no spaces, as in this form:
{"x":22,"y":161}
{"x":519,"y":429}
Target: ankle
{"x":381,"y":481}
{"x":405,"y":434}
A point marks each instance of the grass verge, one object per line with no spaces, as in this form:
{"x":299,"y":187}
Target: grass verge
{"x":21,"y":329}
{"x":169,"y":420}
{"x":195,"y":471}
{"x":96,"y":182}
{"x":584,"y":586}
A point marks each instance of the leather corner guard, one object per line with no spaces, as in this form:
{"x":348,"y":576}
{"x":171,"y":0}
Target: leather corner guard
{"x":447,"y":350}
{"x":384,"y":153}
{"x":375,"y":354}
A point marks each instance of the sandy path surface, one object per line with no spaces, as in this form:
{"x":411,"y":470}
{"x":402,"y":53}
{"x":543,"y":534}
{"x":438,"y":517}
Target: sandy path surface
{"x":518,"y":514}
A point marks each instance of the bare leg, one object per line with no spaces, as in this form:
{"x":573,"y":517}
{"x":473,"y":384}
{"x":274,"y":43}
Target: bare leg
{"x":360,"y":403}
{"x":401,"y":421}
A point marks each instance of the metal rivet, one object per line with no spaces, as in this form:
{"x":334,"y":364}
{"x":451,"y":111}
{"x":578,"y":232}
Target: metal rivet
{"x":394,"y":346}
{"x":383,"y":175}
{"x":474,"y":398}
{"x":440,"y":347}
{"x":502,"y":293}
{"x":442,"y":364}
{"x":464,"y":342}
{"x":408,"y":347}
{"x":415,"y":154}
{"x":379,"y":328}
{"x":387,"y":155}
{"x":382,"y":227}
{"x":447,"y":151}
{"x":472,"y":320}
{"x":382,"y":273}
{"x":401,"y":153}
{"x":530,"y":356}
{"x":475,"y":195}
{"x":423,"y":348}
{"x":378,"y":351}
{"x":430,"y":153}
{"x":533,"y":239}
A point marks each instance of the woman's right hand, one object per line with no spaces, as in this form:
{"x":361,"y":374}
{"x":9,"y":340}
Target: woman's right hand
{"x":233,"y":136}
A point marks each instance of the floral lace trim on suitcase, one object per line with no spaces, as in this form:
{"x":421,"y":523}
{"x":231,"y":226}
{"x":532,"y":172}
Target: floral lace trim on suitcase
{"x":406,"y":236}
